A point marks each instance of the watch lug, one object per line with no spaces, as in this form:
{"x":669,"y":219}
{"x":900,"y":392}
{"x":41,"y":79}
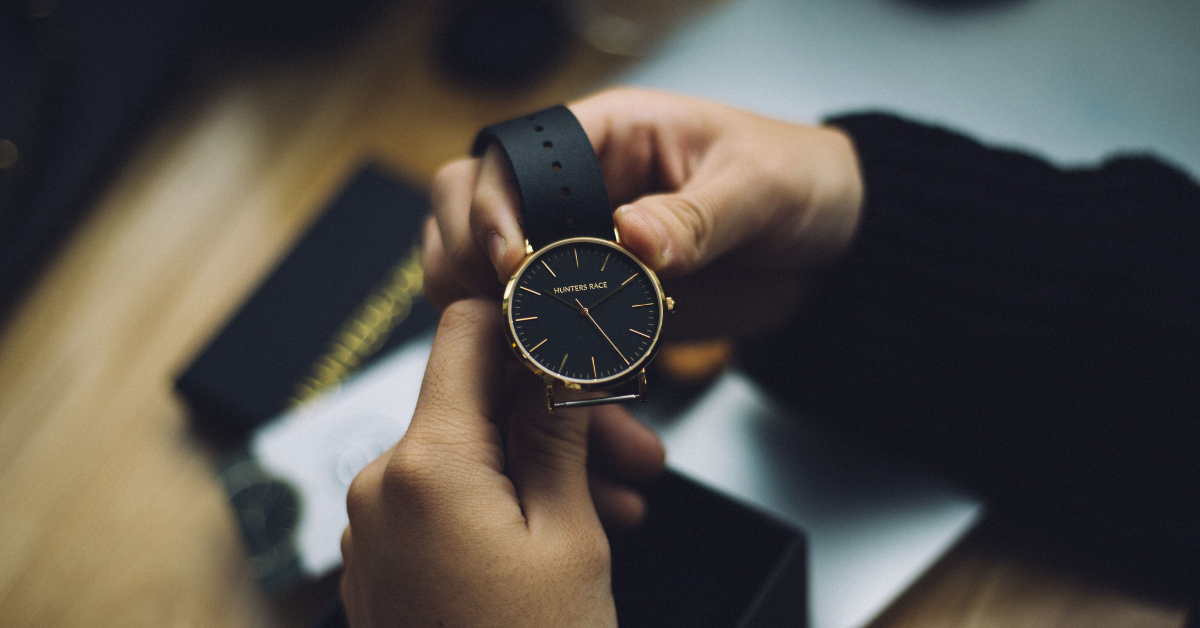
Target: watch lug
{"x":670,"y":304}
{"x":550,"y":398}
{"x":528,"y":247}
{"x":617,"y":234}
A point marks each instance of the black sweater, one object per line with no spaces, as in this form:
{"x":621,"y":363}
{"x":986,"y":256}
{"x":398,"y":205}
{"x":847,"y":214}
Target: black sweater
{"x":1030,"y":330}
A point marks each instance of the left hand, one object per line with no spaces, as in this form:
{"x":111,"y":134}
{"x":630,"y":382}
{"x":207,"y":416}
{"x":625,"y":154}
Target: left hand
{"x":453,"y":528}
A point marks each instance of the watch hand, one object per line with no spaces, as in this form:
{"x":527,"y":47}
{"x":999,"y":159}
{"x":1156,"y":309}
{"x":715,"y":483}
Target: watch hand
{"x":614,"y":345}
{"x":593,"y":306}
{"x":564,"y":302}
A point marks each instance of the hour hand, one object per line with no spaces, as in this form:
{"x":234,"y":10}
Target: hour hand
{"x":577,"y":308}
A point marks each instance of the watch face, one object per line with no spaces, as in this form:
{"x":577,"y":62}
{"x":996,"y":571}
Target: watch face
{"x":585,"y":311}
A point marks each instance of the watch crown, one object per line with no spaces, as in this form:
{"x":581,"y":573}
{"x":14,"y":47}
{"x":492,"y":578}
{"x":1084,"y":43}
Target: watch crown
{"x":670,"y":304}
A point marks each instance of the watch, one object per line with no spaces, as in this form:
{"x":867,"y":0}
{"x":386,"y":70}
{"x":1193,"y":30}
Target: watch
{"x":581,"y":311}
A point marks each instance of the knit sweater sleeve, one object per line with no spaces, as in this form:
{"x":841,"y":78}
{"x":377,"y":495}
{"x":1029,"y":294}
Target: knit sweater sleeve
{"x":1034,"y":331}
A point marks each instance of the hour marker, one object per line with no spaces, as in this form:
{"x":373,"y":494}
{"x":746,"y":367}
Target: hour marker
{"x":639,"y":333}
{"x":533,"y":291}
{"x":630,"y":279}
{"x":576,"y":252}
{"x":548,"y":268}
{"x":605,"y":262}
{"x":538,"y":345}
{"x":594,"y":368}
{"x":527,"y":318}
{"x":643,"y":305}
{"x":564,"y":362}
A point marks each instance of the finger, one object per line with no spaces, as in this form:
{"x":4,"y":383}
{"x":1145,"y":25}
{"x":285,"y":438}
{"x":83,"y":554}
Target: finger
{"x":645,"y":141}
{"x":623,"y":447}
{"x":462,"y":385}
{"x":676,"y":234}
{"x":547,"y":459}
{"x":441,"y":288}
{"x":494,"y":218}
{"x":451,"y":197}
{"x":619,"y":506}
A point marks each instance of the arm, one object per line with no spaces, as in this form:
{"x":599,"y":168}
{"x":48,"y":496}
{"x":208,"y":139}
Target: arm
{"x":1032,"y":330}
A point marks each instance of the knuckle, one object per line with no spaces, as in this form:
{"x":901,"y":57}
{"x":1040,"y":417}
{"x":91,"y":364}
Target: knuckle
{"x":589,"y":546}
{"x":462,"y":250}
{"x":460,"y":316}
{"x":360,"y":497}
{"x":409,"y":479}
{"x":555,"y":444}
{"x":697,"y":222}
{"x":447,"y":179}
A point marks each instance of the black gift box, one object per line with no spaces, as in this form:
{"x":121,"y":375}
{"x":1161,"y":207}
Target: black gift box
{"x":350,"y":290}
{"x":703,"y":560}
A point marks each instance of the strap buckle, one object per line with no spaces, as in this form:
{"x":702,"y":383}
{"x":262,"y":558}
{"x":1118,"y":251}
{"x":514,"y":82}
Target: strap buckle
{"x":639,"y":396}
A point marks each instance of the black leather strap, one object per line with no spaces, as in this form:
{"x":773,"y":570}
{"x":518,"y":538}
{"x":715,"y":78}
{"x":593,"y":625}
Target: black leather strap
{"x":558,"y":176}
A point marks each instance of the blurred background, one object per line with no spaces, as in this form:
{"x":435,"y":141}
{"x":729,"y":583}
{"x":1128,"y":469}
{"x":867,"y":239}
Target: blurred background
{"x":157,"y":159}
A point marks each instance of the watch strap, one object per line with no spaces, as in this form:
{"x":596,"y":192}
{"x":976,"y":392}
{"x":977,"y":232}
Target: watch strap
{"x":562,"y":192}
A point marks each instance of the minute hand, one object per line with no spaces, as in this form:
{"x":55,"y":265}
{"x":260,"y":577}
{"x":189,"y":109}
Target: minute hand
{"x":608,"y":295}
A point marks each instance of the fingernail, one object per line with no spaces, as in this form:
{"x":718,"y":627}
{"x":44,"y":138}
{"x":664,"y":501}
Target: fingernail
{"x":650,"y":229}
{"x":496,"y":245}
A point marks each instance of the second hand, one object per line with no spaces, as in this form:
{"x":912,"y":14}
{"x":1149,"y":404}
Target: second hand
{"x":588,"y":314}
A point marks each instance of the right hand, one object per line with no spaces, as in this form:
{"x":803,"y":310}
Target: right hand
{"x":485,"y":512}
{"x":736,"y":212}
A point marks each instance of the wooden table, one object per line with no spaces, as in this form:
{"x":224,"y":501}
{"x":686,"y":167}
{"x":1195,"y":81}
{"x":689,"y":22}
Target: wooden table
{"x":110,"y":511}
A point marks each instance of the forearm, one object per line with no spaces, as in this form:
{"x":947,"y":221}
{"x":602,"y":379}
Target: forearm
{"x":1024,"y":327}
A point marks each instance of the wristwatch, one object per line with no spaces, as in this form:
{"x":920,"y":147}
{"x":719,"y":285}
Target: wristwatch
{"x":581,"y":311}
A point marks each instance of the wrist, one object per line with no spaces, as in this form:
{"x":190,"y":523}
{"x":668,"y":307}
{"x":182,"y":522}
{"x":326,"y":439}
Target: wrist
{"x":833,"y":196}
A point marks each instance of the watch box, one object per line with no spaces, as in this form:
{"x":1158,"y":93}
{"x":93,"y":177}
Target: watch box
{"x":703,"y":560}
{"x":350,"y":290}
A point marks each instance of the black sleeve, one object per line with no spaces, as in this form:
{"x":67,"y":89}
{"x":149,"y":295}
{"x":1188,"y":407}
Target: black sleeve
{"x":1033,"y":331}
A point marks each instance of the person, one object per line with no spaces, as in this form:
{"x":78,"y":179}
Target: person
{"x":1030,"y":330}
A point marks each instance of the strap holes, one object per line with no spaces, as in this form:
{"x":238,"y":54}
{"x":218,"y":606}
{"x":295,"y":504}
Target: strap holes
{"x":566,"y":192}
{"x":557,"y":166}
{"x":547,"y":144}
{"x":538,"y":128}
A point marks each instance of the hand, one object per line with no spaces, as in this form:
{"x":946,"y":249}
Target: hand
{"x":736,"y":212}
{"x":457,"y":525}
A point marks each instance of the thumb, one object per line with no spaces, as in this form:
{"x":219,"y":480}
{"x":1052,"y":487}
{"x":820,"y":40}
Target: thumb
{"x":547,"y":461}
{"x":679,"y":233}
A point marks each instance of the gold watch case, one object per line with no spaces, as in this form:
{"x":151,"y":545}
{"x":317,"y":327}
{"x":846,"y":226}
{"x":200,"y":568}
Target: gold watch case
{"x":636,"y":371}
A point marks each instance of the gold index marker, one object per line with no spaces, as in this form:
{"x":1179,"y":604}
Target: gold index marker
{"x":576,"y":252}
{"x":538,"y":345}
{"x":564,"y":362}
{"x":594,"y":368}
{"x":639,"y":333}
{"x":605,"y":262}
{"x":533,"y":291}
{"x":527,"y":318}
{"x":548,"y":268}
{"x":629,"y":280}
{"x":643,"y":305}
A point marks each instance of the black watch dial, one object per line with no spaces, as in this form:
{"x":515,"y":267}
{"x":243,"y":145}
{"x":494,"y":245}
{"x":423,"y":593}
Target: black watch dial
{"x":586,"y":311}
